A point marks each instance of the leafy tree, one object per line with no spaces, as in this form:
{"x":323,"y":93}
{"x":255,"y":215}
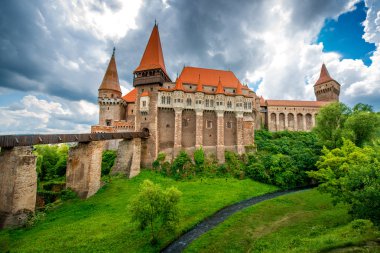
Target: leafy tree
{"x":351,"y":174}
{"x":156,"y":209}
{"x":360,"y":107}
{"x":364,"y":125}
{"x":108,"y":160}
{"x":330,"y":124}
{"x":51,"y":161}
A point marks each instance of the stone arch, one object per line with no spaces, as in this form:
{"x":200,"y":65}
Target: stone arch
{"x":291,"y":121}
{"x":273,"y":123}
{"x":300,"y":126}
{"x":281,"y":122}
{"x":309,"y":122}
{"x":188,"y":128}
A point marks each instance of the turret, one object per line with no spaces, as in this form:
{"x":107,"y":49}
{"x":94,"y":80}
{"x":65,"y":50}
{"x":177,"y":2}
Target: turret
{"x":326,"y":88}
{"x":109,"y":96}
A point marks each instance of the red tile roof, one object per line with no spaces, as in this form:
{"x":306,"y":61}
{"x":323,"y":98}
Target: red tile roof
{"x":153,"y":57}
{"x":324,"y":76}
{"x":209,"y":77}
{"x":111,"y":78}
{"x":131,"y":96}
{"x":238,"y":89}
{"x":262,"y":101}
{"x":295,"y":103}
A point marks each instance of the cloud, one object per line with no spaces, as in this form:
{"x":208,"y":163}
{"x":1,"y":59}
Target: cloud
{"x":32,"y":115}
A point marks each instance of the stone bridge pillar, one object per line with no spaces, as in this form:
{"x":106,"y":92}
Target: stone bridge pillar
{"x":177,"y":132}
{"x":84,"y":168}
{"x":18,"y":185}
{"x":128,"y":158}
{"x":199,"y":128}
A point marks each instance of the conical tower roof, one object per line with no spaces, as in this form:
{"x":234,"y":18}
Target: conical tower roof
{"x":219,"y":89}
{"x":324,"y":76}
{"x":111,"y":78}
{"x":153,"y":57}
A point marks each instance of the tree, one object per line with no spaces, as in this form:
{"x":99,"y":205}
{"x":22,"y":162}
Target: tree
{"x":108,"y":160}
{"x":364,"y":125}
{"x":156,"y":209}
{"x":351,"y":175}
{"x":330,"y":124}
{"x":360,"y":107}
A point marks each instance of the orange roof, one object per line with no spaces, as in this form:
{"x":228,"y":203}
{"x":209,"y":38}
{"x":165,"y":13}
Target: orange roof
{"x":111,"y":79}
{"x":145,"y":94}
{"x":178,"y":84}
{"x":131,"y":96}
{"x":262,"y":101}
{"x":296,"y":103}
{"x":209,"y":77}
{"x":324,"y":76}
{"x":219,"y":89}
{"x":199,"y":85}
{"x":153,"y":57}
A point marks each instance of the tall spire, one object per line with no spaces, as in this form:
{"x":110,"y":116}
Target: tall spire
{"x":153,"y":57}
{"x":199,"y":85}
{"x":111,"y":78}
{"x":219,"y":89}
{"x":324,"y":75}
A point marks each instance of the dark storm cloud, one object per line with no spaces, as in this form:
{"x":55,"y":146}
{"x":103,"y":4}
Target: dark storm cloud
{"x":33,"y":45}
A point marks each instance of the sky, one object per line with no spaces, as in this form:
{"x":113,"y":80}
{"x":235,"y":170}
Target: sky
{"x":54,"y":53}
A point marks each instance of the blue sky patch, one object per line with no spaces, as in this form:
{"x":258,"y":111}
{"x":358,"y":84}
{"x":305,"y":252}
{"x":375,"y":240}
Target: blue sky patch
{"x":345,"y":35}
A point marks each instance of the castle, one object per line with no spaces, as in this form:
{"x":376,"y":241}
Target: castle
{"x":203,"y":107}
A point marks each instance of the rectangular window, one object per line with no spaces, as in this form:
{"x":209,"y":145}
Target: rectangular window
{"x":208,"y":124}
{"x":144,"y":103}
{"x":229,"y":124}
{"x":207,"y":103}
{"x":212,"y":103}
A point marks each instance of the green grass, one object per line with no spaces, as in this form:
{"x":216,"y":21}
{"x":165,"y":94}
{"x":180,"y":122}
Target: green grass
{"x":102,"y":223}
{"x":299,"y":222}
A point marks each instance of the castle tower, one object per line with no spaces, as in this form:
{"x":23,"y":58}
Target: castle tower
{"x":149,"y":76}
{"x":109,"y":96}
{"x":326,"y":88}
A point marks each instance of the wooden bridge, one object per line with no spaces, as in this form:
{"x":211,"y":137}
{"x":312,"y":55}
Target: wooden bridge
{"x":18,"y":176}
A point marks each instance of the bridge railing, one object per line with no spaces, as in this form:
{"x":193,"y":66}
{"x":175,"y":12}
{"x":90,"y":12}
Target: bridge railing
{"x":8,"y":141}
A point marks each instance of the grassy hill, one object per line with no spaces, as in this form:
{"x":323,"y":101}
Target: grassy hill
{"x":300,"y":222}
{"x":102,"y":223}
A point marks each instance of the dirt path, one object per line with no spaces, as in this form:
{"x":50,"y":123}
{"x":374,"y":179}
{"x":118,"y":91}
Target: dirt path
{"x":207,"y":224}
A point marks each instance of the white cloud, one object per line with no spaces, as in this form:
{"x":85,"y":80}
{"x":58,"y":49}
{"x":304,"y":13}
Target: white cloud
{"x":105,"y":19}
{"x":32,"y":115}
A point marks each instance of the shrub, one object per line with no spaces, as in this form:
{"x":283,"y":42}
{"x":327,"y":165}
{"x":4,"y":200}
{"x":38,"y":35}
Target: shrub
{"x":156,"y":209}
{"x":199,"y":159}
{"x":182,"y":166}
{"x":51,"y":161}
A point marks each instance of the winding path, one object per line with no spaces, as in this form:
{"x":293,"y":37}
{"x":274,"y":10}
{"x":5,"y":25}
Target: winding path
{"x":207,"y":224}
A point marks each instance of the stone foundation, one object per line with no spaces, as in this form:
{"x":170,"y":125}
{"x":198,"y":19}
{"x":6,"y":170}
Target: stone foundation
{"x":128,"y":158}
{"x":18,"y":185}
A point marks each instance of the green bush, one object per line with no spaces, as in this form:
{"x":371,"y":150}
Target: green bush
{"x":182,"y":166}
{"x":156,"y":209}
{"x":199,"y":159}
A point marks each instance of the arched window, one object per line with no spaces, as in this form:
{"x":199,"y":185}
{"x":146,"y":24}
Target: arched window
{"x":163,"y":100}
